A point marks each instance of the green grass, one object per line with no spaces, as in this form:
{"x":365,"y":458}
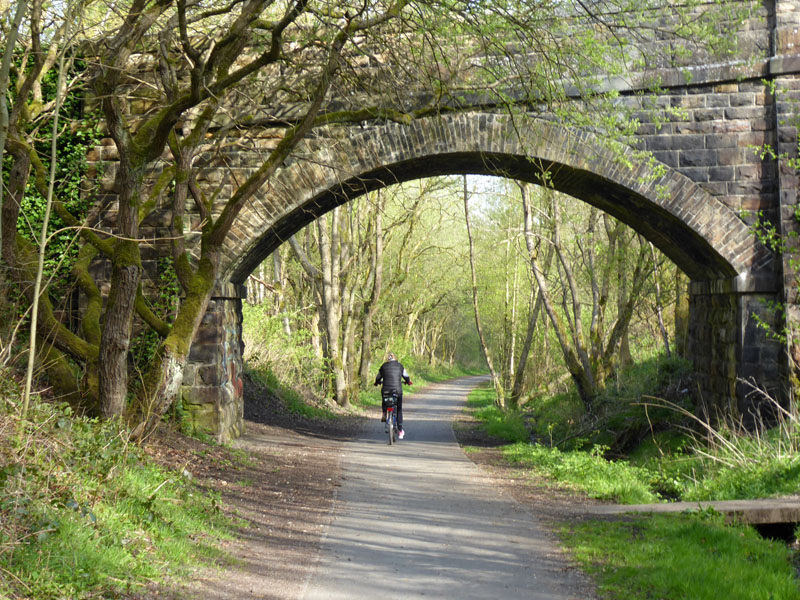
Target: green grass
{"x":706,"y":479}
{"x":672,"y":557}
{"x":681,"y":557}
{"x":505,"y":425}
{"x":628,"y":453}
{"x":589,"y":472}
{"x":83,"y":514}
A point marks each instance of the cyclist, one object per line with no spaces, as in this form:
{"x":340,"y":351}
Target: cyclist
{"x":392,"y":375}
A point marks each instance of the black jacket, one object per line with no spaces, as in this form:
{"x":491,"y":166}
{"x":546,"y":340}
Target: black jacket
{"x":391,"y":375}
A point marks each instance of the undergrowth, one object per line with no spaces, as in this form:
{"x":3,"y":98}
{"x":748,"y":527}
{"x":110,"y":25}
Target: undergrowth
{"x":83,"y":514}
{"x":645,"y":443}
{"x":292,"y":398}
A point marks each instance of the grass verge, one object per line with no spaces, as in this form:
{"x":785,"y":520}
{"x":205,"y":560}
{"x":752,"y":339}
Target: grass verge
{"x":84,"y":514}
{"x":587,"y":471}
{"x":679,"y":557}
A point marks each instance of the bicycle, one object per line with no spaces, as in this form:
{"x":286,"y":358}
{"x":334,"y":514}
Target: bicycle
{"x":390,"y":403}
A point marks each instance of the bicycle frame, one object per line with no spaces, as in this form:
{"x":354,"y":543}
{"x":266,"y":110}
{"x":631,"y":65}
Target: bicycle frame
{"x":391,"y":417}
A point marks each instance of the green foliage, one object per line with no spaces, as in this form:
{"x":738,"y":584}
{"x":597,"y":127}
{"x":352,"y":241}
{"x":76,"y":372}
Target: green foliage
{"x":620,"y":419}
{"x":84,"y":514}
{"x":294,"y":401}
{"x":80,"y":133}
{"x":505,"y":425}
{"x":587,"y":471}
{"x":422,"y":372}
{"x":674,"y":557}
{"x":282,"y":357}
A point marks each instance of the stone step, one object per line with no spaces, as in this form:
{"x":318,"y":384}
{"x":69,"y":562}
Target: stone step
{"x":752,"y":512}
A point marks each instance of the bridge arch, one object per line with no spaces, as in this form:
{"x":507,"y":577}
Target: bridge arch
{"x":732,"y":273}
{"x":702,"y":235}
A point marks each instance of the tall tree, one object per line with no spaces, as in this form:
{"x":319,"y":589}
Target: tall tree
{"x":533,"y":245}
{"x":375,"y":288}
{"x":590,"y":360}
{"x":496,"y":380}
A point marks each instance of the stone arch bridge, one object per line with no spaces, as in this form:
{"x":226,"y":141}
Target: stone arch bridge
{"x":693,"y":212}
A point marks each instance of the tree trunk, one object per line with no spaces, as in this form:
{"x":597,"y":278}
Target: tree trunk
{"x":578,"y":369}
{"x":5,"y":68}
{"x":371,"y":306}
{"x":498,"y":385}
{"x":329,"y":255}
{"x":681,"y":314}
{"x":277,"y":271}
{"x":535,"y":299}
{"x":659,"y":307}
{"x":511,"y":331}
{"x":126,"y":273}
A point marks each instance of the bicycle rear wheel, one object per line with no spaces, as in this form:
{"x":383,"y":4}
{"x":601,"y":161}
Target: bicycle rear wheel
{"x":390,"y":426}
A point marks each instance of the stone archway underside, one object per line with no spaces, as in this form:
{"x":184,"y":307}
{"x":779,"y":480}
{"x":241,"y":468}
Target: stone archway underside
{"x":704,"y":237}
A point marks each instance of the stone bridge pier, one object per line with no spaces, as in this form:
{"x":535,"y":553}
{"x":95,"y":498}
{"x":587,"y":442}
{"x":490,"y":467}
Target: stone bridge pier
{"x":732,"y":351}
{"x":212,"y":394}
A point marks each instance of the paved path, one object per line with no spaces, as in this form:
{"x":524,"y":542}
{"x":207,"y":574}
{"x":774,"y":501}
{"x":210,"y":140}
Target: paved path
{"x":419,"y":520}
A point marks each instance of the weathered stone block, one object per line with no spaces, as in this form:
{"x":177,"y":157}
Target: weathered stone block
{"x":698,"y":158}
{"x":718,"y":100}
{"x":204,"y":353}
{"x":737,"y":125}
{"x":720,"y":173}
{"x":203,"y":418}
{"x":743,"y":99}
{"x":708,"y":114}
{"x":207,"y":335}
{"x":201,"y":395}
